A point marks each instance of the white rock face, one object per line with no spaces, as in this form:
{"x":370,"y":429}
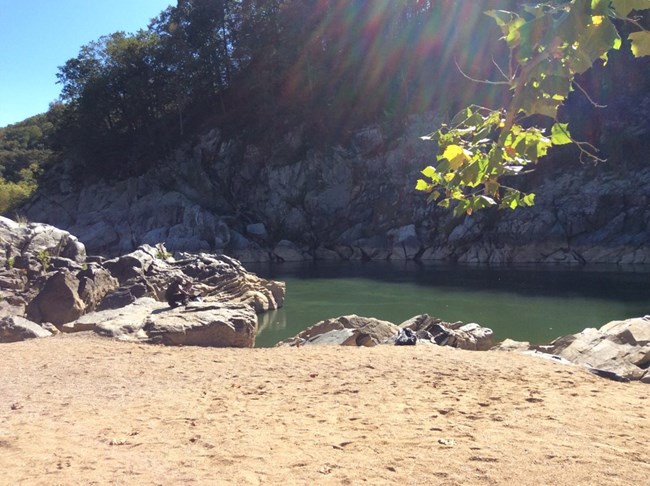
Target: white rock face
{"x":22,"y":243}
{"x":621,"y":347}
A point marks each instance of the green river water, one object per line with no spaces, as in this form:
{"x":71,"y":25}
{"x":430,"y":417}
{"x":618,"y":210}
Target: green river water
{"x":529,"y":303}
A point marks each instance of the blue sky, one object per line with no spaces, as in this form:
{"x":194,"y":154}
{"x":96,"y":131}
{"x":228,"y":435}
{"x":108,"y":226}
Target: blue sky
{"x":38,"y":36}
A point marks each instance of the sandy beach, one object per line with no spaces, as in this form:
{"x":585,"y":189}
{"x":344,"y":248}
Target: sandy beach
{"x":80,"y":409}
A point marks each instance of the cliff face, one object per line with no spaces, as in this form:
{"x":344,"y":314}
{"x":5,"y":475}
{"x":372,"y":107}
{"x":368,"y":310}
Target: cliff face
{"x":354,"y":202}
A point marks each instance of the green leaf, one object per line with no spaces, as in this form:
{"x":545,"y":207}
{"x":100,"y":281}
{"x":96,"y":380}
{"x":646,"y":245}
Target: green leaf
{"x":640,"y":43}
{"x":472,"y":175}
{"x":595,"y":40}
{"x":624,"y":7}
{"x":560,"y":134}
{"x":456,"y":156}
{"x":528,"y":200}
{"x":482,"y":202}
{"x":461,"y":116}
{"x":463,"y":207}
{"x":423,"y":186}
{"x":430,"y":172}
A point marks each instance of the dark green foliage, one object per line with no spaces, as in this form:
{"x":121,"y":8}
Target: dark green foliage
{"x":550,"y":43}
{"x":262,"y":67}
{"x":24,"y":152}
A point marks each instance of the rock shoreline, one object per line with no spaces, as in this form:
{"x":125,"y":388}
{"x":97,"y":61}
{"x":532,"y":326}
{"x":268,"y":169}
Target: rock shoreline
{"x":48,"y":285}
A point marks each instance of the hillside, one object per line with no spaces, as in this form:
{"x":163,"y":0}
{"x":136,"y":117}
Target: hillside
{"x":290,"y":130}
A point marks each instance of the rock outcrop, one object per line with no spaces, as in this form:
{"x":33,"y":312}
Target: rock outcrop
{"x":619,"y":350}
{"x":58,"y":302}
{"x":367,"y":331}
{"x":203,"y":324}
{"x":620,"y":347}
{"x":124,"y":297}
{"x":346,"y":202}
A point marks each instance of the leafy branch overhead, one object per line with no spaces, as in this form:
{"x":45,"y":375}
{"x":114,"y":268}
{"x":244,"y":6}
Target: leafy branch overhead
{"x":549,"y":44}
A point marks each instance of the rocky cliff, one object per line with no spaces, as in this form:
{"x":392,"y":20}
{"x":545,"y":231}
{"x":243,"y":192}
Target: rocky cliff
{"x":352,"y":201}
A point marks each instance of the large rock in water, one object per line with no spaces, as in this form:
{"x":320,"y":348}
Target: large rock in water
{"x":620,"y":347}
{"x":15,"y":328}
{"x":349,"y":330}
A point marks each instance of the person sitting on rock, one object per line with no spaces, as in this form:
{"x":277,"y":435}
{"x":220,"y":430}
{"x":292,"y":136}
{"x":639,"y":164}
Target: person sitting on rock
{"x":179,"y":292}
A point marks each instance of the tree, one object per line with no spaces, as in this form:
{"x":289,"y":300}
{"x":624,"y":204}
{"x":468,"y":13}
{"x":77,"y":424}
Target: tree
{"x":549,"y":44}
{"x":24,"y":152}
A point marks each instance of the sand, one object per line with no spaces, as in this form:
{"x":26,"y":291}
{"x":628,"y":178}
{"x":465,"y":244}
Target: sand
{"x":80,"y":409}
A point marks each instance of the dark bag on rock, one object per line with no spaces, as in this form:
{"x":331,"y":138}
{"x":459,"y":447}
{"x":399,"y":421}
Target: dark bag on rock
{"x":406,"y":337}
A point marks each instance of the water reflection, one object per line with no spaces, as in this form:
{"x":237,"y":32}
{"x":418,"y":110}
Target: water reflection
{"x":273,"y":321}
{"x":529,"y":303}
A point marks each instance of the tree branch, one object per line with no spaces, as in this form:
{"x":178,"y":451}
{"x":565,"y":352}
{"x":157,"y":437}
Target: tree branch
{"x":594,"y":104}
{"x":483,"y":81}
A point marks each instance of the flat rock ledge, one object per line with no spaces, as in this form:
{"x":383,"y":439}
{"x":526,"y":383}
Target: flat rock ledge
{"x":197,"y":324}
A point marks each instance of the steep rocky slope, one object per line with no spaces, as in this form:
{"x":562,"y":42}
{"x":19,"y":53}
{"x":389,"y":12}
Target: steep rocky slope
{"x":354,"y":202}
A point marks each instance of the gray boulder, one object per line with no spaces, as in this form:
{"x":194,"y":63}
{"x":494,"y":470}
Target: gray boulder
{"x":58,"y":302}
{"x":95,"y":283}
{"x":132,"y":265}
{"x":374,"y":248}
{"x":246,"y":250}
{"x":620,"y":347}
{"x":406,"y":244}
{"x":15,"y":328}
{"x":511,"y":345}
{"x":286,"y":251}
{"x":203,"y":324}
{"x":349,"y":330}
